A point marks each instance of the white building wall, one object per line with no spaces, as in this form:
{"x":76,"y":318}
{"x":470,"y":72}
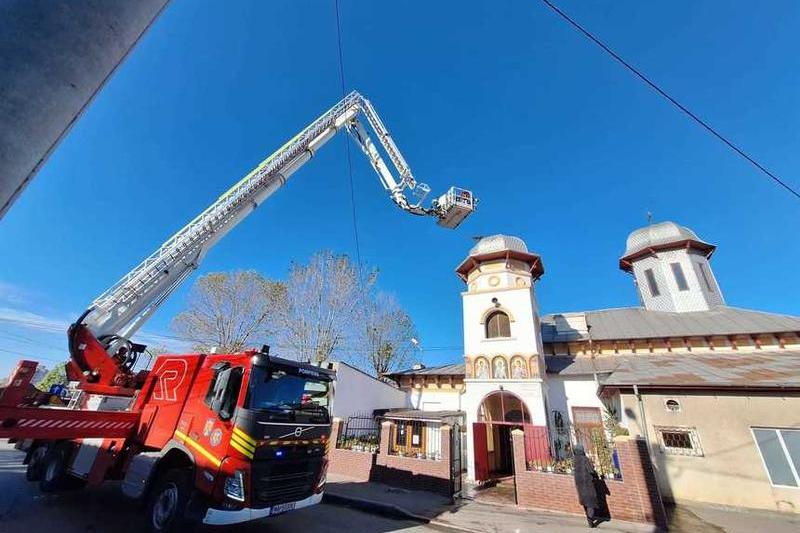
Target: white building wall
{"x":358,"y":392}
{"x":698,"y":297}
{"x":564,"y":393}
{"x":519,"y":304}
{"x":435,"y":400}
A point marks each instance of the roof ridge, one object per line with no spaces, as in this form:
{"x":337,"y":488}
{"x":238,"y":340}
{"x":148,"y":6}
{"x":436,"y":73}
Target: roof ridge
{"x":770,"y":313}
{"x":595,"y":310}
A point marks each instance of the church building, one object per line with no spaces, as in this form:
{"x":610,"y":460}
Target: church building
{"x":713,"y":389}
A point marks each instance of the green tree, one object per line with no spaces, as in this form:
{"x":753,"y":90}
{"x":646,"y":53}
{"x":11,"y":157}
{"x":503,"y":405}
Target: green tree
{"x":56,"y":376}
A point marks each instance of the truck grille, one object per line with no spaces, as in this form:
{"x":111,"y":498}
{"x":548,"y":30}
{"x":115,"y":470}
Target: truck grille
{"x":280,"y":481}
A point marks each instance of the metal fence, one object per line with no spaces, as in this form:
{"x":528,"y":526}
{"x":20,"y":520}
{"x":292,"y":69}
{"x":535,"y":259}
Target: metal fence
{"x":416,"y":438}
{"x":361,"y":432}
{"x":552,"y":449}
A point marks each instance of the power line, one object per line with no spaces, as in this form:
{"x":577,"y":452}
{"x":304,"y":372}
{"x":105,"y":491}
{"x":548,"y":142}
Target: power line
{"x":347,"y":139}
{"x":34,"y":324}
{"x":27,"y":355}
{"x":672,"y":100}
{"x":27,"y":340}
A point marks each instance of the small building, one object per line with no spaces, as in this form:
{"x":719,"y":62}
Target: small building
{"x":714,"y":390}
{"x":355,"y":392}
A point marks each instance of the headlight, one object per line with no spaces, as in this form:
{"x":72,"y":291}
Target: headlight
{"x":234,"y":486}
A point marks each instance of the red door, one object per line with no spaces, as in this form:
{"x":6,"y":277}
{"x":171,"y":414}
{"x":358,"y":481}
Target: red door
{"x":480,"y":451}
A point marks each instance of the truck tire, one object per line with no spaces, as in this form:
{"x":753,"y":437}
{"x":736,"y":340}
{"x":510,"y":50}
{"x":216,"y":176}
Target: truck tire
{"x":168,"y":502}
{"x":36,"y":462}
{"x":54,"y":468}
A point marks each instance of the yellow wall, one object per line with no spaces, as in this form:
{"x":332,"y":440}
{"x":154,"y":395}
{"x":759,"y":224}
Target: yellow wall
{"x":730,"y":472}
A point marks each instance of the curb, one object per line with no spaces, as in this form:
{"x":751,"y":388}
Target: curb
{"x":391,"y":511}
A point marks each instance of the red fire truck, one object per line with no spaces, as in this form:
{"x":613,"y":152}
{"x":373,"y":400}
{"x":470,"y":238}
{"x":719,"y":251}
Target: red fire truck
{"x":209,"y":438}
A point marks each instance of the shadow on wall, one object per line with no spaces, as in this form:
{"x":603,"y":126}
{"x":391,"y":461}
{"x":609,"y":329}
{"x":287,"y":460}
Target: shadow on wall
{"x":409,"y":480}
{"x":723,"y":479}
{"x":658,"y":460}
{"x":557,"y":397}
{"x":363,"y":466}
{"x":676,"y":521}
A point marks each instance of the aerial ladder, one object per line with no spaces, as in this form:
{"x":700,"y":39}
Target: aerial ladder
{"x":102,"y":354}
{"x":186,"y":411}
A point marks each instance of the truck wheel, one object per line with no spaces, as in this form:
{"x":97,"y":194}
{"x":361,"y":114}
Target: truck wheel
{"x":169,"y":499}
{"x":35,"y":463}
{"x":54,"y":468}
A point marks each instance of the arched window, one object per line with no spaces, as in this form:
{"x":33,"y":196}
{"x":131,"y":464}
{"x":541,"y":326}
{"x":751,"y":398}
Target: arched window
{"x":498,"y":325}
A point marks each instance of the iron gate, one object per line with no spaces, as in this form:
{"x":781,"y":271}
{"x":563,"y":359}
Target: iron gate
{"x":455,"y":461}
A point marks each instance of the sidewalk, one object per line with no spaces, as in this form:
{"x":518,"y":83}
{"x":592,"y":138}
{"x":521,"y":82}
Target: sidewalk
{"x":706,"y":518}
{"x":466,"y":516}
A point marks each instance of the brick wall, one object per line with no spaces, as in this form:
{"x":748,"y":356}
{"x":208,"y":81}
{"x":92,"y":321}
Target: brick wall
{"x":353,"y":464}
{"x":634,"y":498}
{"x":406,"y":472}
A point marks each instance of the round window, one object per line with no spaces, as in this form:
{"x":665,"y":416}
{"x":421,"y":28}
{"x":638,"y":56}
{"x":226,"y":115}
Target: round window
{"x":672,"y":405}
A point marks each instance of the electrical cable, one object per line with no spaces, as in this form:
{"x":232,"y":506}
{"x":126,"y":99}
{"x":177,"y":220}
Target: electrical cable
{"x":347,"y":140}
{"x":672,"y":100}
{"x":27,"y":355}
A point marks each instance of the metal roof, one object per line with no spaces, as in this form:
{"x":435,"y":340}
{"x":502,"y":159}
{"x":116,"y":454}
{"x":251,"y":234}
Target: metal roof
{"x":657,"y":235}
{"x":729,"y":370}
{"x":498,"y":243}
{"x":416,"y":414}
{"x":455,"y":369}
{"x":571,"y":366}
{"x":640,"y":323}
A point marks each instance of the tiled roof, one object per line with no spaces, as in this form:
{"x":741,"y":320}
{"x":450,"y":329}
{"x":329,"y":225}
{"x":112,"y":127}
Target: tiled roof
{"x":709,"y":370}
{"x":639,"y":323}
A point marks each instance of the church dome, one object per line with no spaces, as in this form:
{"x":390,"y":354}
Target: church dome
{"x":496,"y":247}
{"x":660,"y":235}
{"x":498,"y":243}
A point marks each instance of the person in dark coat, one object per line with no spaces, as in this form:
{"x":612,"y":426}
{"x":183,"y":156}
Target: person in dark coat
{"x":585,"y":476}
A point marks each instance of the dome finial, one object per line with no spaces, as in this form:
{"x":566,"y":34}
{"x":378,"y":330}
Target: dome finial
{"x":649,"y":217}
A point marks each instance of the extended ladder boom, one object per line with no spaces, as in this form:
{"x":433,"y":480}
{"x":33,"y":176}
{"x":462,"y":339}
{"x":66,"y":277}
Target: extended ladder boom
{"x":122,"y":309}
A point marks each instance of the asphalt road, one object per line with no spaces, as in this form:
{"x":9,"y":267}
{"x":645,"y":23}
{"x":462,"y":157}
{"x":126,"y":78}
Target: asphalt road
{"x":23,"y":509}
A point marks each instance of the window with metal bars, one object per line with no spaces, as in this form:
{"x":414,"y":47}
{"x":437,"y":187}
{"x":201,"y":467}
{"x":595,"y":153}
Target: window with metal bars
{"x":679,"y":441}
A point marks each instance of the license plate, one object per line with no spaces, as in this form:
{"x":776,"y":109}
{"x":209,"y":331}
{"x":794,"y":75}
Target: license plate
{"x":281,"y":508}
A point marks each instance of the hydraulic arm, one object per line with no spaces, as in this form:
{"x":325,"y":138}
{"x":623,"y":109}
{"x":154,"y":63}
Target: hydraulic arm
{"x":99,"y":341}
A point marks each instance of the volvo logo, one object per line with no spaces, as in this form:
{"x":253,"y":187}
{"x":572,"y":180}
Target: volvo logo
{"x":298,"y":431}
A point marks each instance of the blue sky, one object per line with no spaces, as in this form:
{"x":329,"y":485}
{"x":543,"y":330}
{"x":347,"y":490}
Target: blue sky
{"x":563,"y":147}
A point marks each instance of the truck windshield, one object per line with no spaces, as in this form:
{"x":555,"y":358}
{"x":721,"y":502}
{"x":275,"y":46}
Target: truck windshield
{"x":278,"y":389}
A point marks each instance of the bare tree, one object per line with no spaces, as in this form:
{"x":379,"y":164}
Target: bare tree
{"x":319,"y":306}
{"x":229,"y":311}
{"x":387,"y":334}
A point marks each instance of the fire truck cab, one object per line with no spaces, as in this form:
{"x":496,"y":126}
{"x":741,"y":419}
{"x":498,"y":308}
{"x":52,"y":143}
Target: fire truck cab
{"x":219,"y":439}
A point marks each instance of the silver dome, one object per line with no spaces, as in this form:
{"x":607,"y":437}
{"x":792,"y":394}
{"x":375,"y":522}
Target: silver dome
{"x":498,"y":243}
{"x":658,"y":235}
